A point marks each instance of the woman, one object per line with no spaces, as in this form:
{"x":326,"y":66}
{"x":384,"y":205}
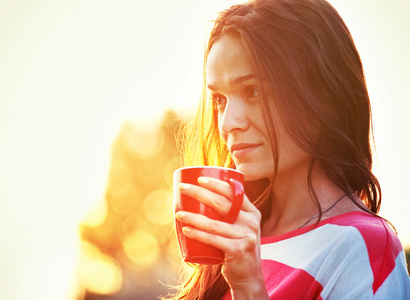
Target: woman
{"x":285,"y":102}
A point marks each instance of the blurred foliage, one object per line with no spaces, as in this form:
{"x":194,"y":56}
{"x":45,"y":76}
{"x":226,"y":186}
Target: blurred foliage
{"x":132,"y":253}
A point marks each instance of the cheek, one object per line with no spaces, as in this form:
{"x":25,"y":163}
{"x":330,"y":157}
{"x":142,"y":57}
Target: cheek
{"x":292,"y":155}
{"x":224,"y":136}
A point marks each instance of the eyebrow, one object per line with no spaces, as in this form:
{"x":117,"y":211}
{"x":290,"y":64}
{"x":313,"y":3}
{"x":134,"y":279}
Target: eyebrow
{"x":235,"y":81}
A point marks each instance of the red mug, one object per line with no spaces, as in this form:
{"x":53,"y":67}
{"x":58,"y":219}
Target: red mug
{"x":194,"y":251}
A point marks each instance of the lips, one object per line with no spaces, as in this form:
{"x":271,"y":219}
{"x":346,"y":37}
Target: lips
{"x":241,"y":149}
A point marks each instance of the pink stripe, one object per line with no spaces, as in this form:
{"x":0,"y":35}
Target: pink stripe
{"x":284,"y":282}
{"x":382,"y":259}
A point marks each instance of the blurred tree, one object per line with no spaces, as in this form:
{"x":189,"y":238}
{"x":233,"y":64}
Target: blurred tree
{"x":135,"y":246}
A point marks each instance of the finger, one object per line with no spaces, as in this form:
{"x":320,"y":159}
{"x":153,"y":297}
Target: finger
{"x":248,"y":206}
{"x":216,"y":201}
{"x":233,"y":191}
{"x":224,"y":188}
{"x":218,"y":186}
{"x":208,"y":225}
{"x":232,"y":247}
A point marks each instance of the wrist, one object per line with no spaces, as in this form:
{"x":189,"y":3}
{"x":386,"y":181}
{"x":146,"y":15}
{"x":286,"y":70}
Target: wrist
{"x":250,"y":290}
{"x":250,"y":295}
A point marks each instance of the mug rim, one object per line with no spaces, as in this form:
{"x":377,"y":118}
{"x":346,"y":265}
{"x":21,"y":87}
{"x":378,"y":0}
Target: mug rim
{"x":208,"y":167}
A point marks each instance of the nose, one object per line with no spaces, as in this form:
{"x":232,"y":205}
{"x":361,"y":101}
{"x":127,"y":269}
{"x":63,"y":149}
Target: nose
{"x":234,"y":117}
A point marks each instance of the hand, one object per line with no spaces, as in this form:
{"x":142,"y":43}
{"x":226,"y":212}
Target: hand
{"x":240,"y":241}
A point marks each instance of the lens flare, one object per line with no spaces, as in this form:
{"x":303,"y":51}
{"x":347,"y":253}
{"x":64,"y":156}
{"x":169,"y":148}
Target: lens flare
{"x":158,"y":207}
{"x":99,"y":273}
{"x":142,"y":248}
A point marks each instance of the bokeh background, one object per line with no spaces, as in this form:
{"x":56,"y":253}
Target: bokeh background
{"x":91,"y":92}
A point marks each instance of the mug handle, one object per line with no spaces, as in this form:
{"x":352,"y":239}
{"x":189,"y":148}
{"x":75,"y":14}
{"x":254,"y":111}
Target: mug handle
{"x":237,"y":201}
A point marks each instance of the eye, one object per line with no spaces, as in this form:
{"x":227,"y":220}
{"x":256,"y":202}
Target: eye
{"x":219,"y":101}
{"x":253,"y":92}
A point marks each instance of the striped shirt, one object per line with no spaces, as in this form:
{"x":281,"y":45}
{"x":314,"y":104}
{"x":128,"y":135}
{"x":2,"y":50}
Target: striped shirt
{"x":350,"y":256}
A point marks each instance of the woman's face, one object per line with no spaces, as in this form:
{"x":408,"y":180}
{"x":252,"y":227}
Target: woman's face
{"x":236,"y":92}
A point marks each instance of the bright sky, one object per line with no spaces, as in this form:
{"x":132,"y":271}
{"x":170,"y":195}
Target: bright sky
{"x":72,"y":72}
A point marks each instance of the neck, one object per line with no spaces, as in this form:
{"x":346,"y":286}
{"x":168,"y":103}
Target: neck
{"x":292,"y":203}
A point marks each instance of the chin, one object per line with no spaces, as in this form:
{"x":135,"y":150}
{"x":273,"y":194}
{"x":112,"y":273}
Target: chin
{"x":253,"y":172}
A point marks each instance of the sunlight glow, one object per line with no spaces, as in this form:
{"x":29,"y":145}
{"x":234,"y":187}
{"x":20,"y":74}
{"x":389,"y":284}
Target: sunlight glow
{"x":99,"y":273}
{"x":84,"y":87}
{"x":144,"y":139}
{"x":158,"y":206}
{"x":95,"y":215}
{"x":142,"y":248}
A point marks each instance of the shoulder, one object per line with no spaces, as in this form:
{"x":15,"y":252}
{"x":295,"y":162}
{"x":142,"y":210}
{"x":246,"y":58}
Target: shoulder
{"x":355,"y":252}
{"x":384,"y":250}
{"x":349,"y":227}
{"x":362,"y":238}
{"x":374,"y":231}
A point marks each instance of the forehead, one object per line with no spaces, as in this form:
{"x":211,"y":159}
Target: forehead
{"x":227,"y":60}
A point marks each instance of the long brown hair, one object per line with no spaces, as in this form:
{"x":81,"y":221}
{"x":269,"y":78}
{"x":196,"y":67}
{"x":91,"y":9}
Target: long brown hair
{"x":305,"y":56}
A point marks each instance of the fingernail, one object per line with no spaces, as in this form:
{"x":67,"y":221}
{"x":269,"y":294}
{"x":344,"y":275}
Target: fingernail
{"x":203,"y":180}
{"x":183,"y":186}
{"x":186,"y":230}
{"x":179,"y":215}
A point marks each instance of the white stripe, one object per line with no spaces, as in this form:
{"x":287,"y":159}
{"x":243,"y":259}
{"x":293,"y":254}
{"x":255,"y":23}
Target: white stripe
{"x":397,"y":284}
{"x":336,"y":256}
